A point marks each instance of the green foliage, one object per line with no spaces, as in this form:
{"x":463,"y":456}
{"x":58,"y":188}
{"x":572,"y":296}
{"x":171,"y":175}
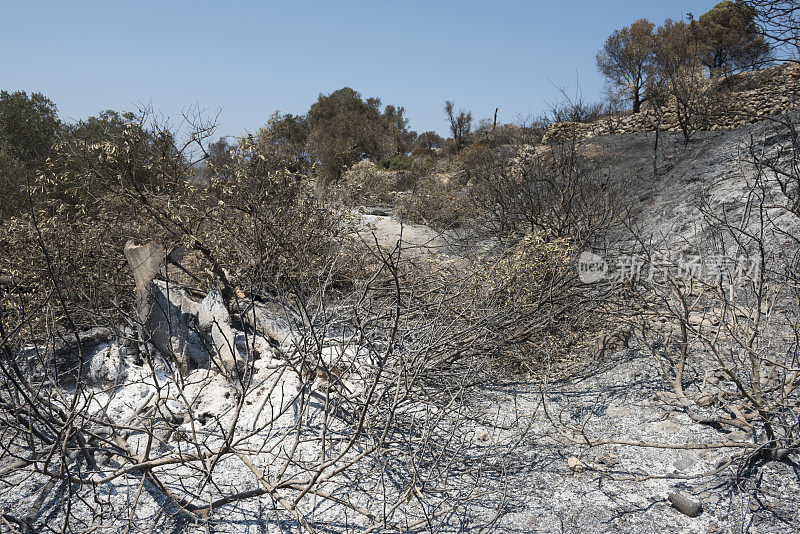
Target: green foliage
{"x":219,"y":163}
{"x":259,"y":228}
{"x":429,"y":140}
{"x":398,"y":162}
{"x":282,"y":142}
{"x":397,"y":124}
{"x":345,"y":129}
{"x":626,"y":59}
{"x":13,"y":178}
{"x":118,"y":151}
{"x":86,"y":205}
{"x":730,"y":39}
{"x":97,"y":129}
{"x":460,"y":124}
{"x":29,"y":126}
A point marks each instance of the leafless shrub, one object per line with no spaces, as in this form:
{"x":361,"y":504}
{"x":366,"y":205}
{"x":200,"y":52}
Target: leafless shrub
{"x":779,"y":22}
{"x":722,"y":321}
{"x":352,"y":394}
{"x":550,"y":189}
{"x":575,"y":110}
{"x":297,"y":420}
{"x":436,"y":200}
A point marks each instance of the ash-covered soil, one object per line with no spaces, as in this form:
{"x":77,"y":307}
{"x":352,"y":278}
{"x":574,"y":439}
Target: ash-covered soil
{"x":520,"y":448}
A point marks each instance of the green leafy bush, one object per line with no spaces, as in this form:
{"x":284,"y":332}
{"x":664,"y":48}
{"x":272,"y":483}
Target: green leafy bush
{"x":398,"y":162}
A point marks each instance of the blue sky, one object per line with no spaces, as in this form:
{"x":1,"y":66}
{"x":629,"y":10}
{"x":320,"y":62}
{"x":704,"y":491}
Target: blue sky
{"x":251,"y":58}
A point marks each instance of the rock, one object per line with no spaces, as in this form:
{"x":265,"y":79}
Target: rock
{"x":107,"y":366}
{"x":665,"y":396}
{"x":271,"y":320}
{"x":213,"y":315}
{"x":686,"y":504}
{"x":738,"y":436}
{"x":705,"y":400}
{"x":574,"y":464}
{"x":706,"y":319}
{"x":685,"y":462}
{"x":615,"y":410}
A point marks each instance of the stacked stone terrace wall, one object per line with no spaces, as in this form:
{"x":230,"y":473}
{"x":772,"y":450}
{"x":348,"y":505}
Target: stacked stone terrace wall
{"x":727,"y":103}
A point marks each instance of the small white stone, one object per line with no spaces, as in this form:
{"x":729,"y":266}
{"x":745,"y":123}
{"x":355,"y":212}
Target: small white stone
{"x":574,"y":464}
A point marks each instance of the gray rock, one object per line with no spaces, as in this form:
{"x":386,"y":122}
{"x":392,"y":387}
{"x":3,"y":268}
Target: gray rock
{"x":158,"y":304}
{"x":686,"y":504}
{"x":213,"y":316}
{"x":107,"y":365}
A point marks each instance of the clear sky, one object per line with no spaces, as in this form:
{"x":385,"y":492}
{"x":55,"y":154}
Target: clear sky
{"x":251,"y":58}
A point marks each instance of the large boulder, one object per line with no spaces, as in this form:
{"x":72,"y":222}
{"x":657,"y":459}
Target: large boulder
{"x":159,"y":304}
{"x":177,"y":326}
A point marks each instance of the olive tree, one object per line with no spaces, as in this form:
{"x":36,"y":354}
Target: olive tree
{"x":677,"y":64}
{"x":29,"y":127}
{"x":429,"y":140}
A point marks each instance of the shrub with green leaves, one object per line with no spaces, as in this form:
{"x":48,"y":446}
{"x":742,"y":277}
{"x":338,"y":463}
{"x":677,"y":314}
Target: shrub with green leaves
{"x":398,"y":162}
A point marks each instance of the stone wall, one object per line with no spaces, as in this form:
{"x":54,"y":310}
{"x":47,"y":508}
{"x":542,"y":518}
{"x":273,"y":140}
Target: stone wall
{"x":727,"y":103}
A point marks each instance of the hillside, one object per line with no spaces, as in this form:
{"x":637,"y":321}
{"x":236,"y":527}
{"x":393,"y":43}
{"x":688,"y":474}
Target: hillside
{"x":596,"y":442}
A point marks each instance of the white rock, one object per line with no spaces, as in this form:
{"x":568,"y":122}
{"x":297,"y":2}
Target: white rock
{"x":107,"y":365}
{"x":213,"y":315}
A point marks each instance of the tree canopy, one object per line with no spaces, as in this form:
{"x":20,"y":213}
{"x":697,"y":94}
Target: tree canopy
{"x":29,"y":125}
{"x":730,"y":39}
{"x":344,"y":129}
{"x":460,"y":124}
{"x":626,"y":58}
